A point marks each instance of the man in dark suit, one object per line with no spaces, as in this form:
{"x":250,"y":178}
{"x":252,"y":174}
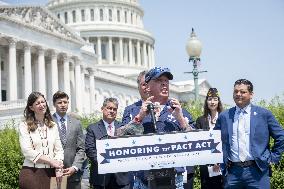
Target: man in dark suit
{"x":105,"y":128}
{"x":245,"y":131}
{"x":72,"y":139}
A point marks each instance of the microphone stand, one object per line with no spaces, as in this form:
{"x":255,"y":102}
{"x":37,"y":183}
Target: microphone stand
{"x":150,"y":108}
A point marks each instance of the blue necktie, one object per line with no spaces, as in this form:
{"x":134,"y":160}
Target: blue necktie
{"x":242,"y":136}
{"x":63,"y":130}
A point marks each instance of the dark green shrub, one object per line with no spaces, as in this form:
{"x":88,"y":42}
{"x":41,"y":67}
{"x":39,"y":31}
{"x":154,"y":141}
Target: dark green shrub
{"x":11,"y":157}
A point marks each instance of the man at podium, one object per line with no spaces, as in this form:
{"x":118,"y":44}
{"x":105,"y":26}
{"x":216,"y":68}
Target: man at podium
{"x":160,"y":114}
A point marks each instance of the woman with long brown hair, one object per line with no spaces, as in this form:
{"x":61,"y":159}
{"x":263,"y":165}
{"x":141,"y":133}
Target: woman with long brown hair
{"x":40,"y":145}
{"x":212,"y":107}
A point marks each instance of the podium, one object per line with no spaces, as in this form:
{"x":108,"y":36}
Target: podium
{"x":159,"y":151}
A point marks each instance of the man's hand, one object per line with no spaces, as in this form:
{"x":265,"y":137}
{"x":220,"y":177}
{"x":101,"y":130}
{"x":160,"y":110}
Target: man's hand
{"x":176,"y":110}
{"x":69,"y":171}
{"x":59,"y":174}
{"x":216,"y":168}
{"x":143,"y":110}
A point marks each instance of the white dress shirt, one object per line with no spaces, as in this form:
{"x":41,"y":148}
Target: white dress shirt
{"x":235,"y":134}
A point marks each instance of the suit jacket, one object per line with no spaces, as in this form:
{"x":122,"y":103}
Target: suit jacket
{"x":202,"y":123}
{"x":74,"y":148}
{"x":95,"y":132}
{"x":263,"y":125}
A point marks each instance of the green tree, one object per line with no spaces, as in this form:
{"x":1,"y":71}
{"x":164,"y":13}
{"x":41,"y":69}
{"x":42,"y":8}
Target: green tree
{"x":11,"y":157}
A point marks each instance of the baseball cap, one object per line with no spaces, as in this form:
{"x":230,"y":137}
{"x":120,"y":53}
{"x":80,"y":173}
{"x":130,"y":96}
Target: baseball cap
{"x":156,"y":72}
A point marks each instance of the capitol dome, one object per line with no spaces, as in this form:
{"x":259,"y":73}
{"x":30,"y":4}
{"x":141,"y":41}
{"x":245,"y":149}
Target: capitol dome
{"x":114,"y":29}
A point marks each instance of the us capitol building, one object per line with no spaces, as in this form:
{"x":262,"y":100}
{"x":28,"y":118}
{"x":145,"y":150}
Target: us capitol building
{"x":91,"y":49}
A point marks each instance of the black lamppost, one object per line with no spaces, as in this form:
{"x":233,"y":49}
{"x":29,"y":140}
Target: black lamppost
{"x":193,"y":49}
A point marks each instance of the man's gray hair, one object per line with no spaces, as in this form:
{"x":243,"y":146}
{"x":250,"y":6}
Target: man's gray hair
{"x":113,"y":100}
{"x":141,"y":74}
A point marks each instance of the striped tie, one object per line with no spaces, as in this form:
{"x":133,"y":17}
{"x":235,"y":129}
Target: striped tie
{"x":110,"y":130}
{"x":63,"y":130}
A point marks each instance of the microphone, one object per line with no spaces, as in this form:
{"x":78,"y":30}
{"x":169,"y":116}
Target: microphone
{"x":150,"y":108}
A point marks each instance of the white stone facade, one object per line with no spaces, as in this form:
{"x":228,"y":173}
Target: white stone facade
{"x":89,"y":49}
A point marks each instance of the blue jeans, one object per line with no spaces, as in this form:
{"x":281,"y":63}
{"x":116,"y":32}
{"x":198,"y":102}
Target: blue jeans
{"x":246,"y":177}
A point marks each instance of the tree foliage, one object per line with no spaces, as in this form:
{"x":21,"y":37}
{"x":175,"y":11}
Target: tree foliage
{"x":11,"y":157}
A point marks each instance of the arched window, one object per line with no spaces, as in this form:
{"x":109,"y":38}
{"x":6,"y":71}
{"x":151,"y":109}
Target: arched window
{"x":135,"y":55}
{"x":101,"y":15}
{"x":113,"y":52}
{"x":118,"y":16}
{"x":131,"y":18}
{"x":66,"y":18}
{"x":92,"y":13}
{"x":83,"y":15}
{"x":58,"y":15}
{"x":74,"y":16}
{"x":109,"y":15}
{"x":125,"y":16}
{"x":95,"y":48}
{"x":104,"y":51}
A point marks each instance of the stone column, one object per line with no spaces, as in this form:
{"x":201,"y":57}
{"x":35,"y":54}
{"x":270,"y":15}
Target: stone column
{"x":114,"y":15}
{"x":78,"y":85}
{"x":72,"y":97}
{"x":54,"y":72}
{"x":27,"y":70}
{"x":66,"y":74}
{"x":92,"y":90}
{"x":99,"y":50}
{"x":83,"y":88}
{"x":106,"y":14}
{"x":149,"y":56}
{"x":144,"y":55}
{"x":41,"y":72}
{"x":131,"y":62}
{"x":128,"y":17}
{"x":138,"y":53}
{"x":87,"y":15}
{"x":13,"y":91}
{"x":153,"y":56}
{"x":110,"y":53}
{"x":96,"y":14}
{"x":120,"y":51}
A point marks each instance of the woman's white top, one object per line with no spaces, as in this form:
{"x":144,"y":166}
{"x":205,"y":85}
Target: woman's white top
{"x":42,"y":141}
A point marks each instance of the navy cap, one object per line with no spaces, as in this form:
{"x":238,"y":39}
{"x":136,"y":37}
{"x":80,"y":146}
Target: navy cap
{"x":212,"y":92}
{"x":156,"y":72}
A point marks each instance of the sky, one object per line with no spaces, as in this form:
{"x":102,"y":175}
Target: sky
{"x":241,"y":39}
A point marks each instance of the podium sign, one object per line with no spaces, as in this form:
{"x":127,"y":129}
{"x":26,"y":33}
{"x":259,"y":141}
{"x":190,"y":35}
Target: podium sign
{"x":159,"y":151}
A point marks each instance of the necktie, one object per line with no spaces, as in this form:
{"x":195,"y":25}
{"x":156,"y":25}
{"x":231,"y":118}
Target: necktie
{"x":110,"y":130}
{"x":63,"y":130}
{"x":242,"y":136}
